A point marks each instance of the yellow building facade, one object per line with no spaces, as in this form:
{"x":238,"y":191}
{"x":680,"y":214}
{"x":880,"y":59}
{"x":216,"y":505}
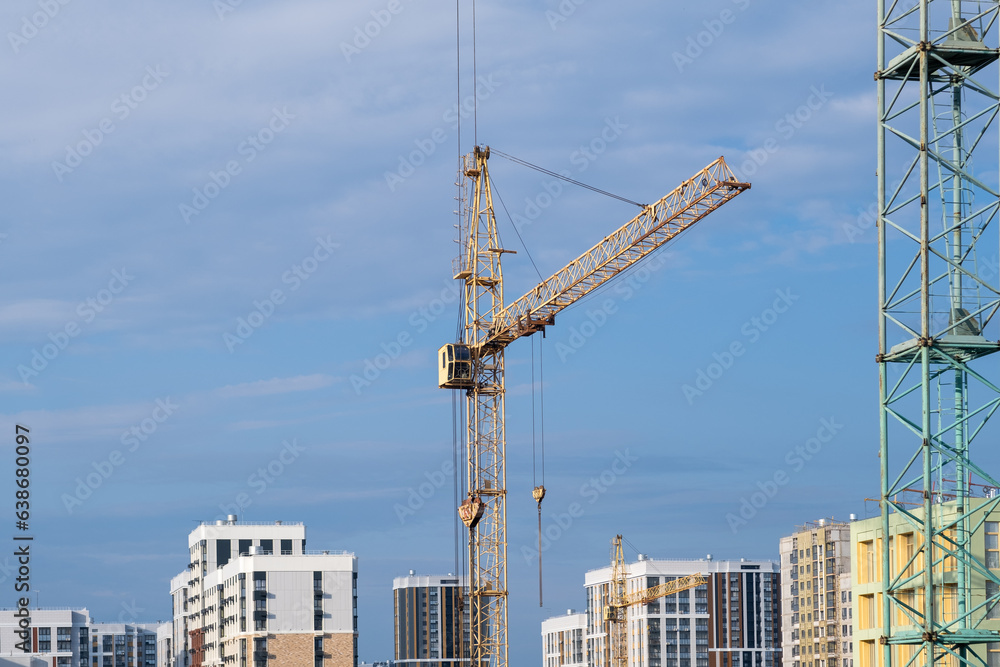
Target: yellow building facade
{"x":907,"y":563}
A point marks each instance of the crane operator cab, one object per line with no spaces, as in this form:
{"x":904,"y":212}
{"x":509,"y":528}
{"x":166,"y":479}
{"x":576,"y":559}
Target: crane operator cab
{"x":455,"y":366}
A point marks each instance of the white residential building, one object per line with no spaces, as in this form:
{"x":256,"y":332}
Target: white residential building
{"x":252,"y":596}
{"x":70,"y":638}
{"x":733,"y":620}
{"x":563,"y":643}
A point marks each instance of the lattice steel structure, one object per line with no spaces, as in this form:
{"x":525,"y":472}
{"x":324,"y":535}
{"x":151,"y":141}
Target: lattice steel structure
{"x":937,"y":99}
{"x":476,"y":363}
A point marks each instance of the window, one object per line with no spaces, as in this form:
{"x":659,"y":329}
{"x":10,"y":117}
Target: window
{"x":267,"y":546}
{"x":992,"y":590}
{"x":223,"y":552}
{"x":318,"y":651}
{"x":993,"y":655}
{"x":244,"y":547}
{"x":992,"y":546}
{"x":286,"y":547}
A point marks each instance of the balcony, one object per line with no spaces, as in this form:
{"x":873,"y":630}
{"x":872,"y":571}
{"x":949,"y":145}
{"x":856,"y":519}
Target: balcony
{"x":260,"y":615}
{"x":260,"y":656}
{"x":260,"y":595}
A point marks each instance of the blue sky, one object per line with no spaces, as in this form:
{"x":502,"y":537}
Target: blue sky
{"x":173,"y":168}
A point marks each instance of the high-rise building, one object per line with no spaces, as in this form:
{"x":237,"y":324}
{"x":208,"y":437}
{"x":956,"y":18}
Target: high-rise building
{"x":733,"y":620}
{"x":252,"y":596}
{"x":563,"y":643}
{"x":70,"y":638}
{"x":431,"y":621}
{"x":906,"y":565}
{"x":817,"y":624}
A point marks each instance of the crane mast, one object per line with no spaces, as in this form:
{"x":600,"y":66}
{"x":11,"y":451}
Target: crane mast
{"x":475,"y":364}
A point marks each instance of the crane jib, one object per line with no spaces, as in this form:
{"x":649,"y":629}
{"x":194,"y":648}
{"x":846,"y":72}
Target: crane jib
{"x":694,"y":199}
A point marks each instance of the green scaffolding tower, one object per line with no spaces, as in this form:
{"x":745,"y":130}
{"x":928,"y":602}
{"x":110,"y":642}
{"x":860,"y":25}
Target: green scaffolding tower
{"x":937,"y":97}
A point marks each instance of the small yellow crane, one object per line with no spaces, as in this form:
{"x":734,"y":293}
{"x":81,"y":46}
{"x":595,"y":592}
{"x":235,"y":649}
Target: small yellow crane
{"x":619,"y":600}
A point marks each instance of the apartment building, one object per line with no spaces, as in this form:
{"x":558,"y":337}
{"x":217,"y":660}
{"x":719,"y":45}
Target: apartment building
{"x":253,"y":596}
{"x":563,"y":643}
{"x":733,"y":620}
{"x":70,"y":638}
{"x":817,"y":623}
{"x":906,"y":563}
{"x":431,"y":621}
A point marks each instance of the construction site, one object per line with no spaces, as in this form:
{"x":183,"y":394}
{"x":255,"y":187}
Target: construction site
{"x":635,"y":334}
{"x":917,"y":583}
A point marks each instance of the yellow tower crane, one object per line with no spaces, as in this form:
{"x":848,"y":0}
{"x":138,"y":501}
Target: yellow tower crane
{"x":619,"y":600}
{"x":476,"y":363}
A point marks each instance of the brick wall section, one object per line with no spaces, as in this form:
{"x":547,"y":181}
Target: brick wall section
{"x":291,"y":651}
{"x":340,"y":649}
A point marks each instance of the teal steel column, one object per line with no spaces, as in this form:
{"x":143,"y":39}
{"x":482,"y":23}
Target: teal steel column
{"x":883,"y":348}
{"x":936,"y":321}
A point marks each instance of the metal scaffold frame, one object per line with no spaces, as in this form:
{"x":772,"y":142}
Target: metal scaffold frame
{"x":936,"y":112}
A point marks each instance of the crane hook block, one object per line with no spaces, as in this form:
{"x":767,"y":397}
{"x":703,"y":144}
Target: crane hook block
{"x":471,"y":511}
{"x":455,"y":369}
{"x":538,"y":493}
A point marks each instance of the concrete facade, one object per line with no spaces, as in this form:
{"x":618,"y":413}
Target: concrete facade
{"x":252,"y":596}
{"x":70,"y":638}
{"x":563,"y":640}
{"x":817,"y":623}
{"x":431,"y":621}
{"x":734,"y":620}
{"x":866,"y":580}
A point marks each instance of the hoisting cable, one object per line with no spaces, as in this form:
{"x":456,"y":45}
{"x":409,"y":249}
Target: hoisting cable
{"x":538,"y":493}
{"x":475,"y":73}
{"x":458,"y":82}
{"x":553,"y":174}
